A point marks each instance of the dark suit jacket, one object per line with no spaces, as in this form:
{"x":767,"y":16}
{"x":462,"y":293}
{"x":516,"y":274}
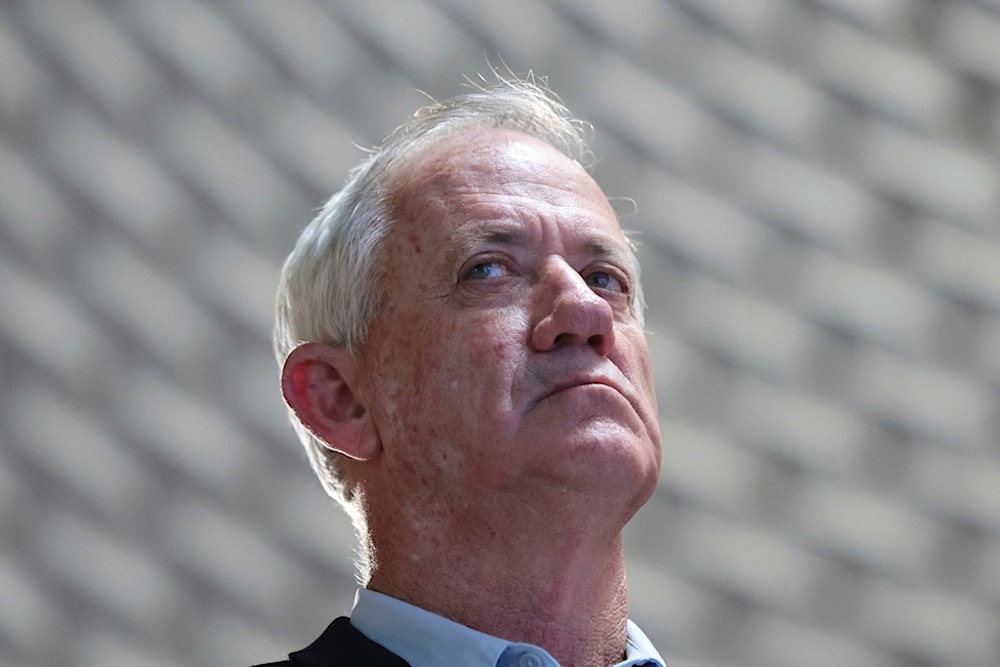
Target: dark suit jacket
{"x":341,"y":645}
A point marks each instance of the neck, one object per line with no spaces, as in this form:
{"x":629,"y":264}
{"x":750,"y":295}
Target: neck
{"x":555,"y":583}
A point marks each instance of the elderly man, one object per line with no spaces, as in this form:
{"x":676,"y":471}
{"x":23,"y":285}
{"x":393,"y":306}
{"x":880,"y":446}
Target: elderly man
{"x":460,"y":333}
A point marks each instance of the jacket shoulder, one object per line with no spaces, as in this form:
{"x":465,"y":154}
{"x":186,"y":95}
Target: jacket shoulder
{"x":342,"y":645}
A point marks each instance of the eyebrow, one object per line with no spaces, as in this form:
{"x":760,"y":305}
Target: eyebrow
{"x":495,"y":233}
{"x":600,"y":248}
{"x":501,"y":234}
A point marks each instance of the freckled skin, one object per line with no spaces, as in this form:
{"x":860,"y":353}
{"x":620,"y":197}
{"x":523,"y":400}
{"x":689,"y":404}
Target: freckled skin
{"x":414,"y":240}
{"x":455,"y":367}
{"x":511,"y":392}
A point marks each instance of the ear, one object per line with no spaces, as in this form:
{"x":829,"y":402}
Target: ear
{"x":317,"y":382}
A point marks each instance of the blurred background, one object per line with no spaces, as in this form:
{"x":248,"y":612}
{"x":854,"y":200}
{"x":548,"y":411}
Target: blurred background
{"x":819,"y":207}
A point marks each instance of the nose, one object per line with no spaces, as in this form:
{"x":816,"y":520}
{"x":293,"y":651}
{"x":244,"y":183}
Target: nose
{"x":570,"y":312}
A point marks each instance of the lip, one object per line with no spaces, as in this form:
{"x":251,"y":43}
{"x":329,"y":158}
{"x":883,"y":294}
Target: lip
{"x":574,"y":381}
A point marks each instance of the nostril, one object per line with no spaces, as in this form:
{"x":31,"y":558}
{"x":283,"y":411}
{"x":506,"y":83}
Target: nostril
{"x":572,"y":315}
{"x":597,"y":341}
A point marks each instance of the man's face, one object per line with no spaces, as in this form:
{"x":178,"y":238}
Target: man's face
{"x":509,"y":356}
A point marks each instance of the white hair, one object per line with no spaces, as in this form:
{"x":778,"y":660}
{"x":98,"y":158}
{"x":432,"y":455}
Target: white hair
{"x":328,"y":291}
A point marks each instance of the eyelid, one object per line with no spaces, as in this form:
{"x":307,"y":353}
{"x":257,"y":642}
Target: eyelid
{"x":479,"y":259}
{"x":623,"y":277}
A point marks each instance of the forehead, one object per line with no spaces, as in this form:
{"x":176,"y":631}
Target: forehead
{"x":500,"y":179}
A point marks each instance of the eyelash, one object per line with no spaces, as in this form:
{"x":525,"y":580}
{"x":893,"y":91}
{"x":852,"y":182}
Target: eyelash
{"x":622,"y":283}
{"x":468,"y":274}
{"x":611,"y":274}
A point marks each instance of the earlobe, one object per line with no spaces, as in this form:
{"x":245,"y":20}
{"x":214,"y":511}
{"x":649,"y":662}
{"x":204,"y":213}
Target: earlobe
{"x":317,"y":383}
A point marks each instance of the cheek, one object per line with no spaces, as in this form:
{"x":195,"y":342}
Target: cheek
{"x":453,"y":372}
{"x":638,"y":368}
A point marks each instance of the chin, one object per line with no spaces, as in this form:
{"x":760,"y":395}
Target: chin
{"x":613,"y":463}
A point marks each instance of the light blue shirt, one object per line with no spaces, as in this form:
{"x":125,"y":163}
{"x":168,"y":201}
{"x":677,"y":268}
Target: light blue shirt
{"x":424,"y":639}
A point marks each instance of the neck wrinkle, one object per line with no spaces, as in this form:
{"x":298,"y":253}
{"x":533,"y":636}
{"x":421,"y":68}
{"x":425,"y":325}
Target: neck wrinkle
{"x":559,"y":587}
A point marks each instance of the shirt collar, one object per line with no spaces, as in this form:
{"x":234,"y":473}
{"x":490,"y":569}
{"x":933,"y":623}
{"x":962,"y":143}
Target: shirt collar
{"x":420,"y":637}
{"x":639,"y":650}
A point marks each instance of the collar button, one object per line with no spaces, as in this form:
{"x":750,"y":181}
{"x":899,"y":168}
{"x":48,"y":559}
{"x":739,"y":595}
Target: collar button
{"x":529,"y":660}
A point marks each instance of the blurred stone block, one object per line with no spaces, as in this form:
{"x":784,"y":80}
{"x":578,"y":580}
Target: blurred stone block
{"x":957,"y":486}
{"x":114,"y":574}
{"x":16,"y":496}
{"x":709,"y":232}
{"x":660,"y":122}
{"x":31,"y":612}
{"x":663,"y":284}
{"x":199,"y":44}
{"x":382,"y":24}
{"x":706,"y":469}
{"x":49,"y":327}
{"x":148,"y":303}
{"x":103,"y":645}
{"x":116,"y":74}
{"x":626,"y":26}
{"x":752,"y":333}
{"x":789,"y":641}
{"x":302,"y":516}
{"x":253,"y":396}
{"x":672,"y":359}
{"x":988,"y":576}
{"x":878,"y":533}
{"x":219,"y":547}
{"x":959,"y":264}
{"x":967,"y":37}
{"x":26,"y":87}
{"x":239,"y":280}
{"x":133,"y":191}
{"x":191,"y":435}
{"x":939,"y":179}
{"x":506,"y":33}
{"x":928,"y":625}
{"x":924,"y":400}
{"x":227,"y":638}
{"x":989,"y":353}
{"x":749,"y":22}
{"x":902,"y":84}
{"x":824,"y":207}
{"x":767,"y":100}
{"x":866,"y":301}
{"x":822,"y":437}
{"x":228,"y":169}
{"x":304,"y":38}
{"x":885,"y":17}
{"x":34,"y":216}
{"x":76,"y":449}
{"x":315,"y":144}
{"x":743,"y":560}
{"x":669,"y":610}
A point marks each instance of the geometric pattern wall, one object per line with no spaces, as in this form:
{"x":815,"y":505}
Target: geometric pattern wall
{"x":817,"y":188}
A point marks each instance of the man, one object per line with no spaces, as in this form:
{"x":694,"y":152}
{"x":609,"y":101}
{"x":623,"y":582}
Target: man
{"x":460,"y":333}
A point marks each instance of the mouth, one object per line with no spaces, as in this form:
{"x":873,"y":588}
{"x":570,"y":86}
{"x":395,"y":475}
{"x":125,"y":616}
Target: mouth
{"x":598,"y":380}
{"x":579,"y":381}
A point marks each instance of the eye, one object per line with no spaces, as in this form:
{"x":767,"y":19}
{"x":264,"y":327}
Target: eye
{"x":605,"y":281}
{"x":486,"y":270}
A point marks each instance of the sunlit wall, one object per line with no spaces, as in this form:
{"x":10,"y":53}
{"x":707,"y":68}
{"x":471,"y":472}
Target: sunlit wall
{"x":819,"y":206}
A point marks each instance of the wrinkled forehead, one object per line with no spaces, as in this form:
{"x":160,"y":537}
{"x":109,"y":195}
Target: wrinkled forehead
{"x":462,"y":167}
{"x":480,"y":159}
{"x":496,"y":188}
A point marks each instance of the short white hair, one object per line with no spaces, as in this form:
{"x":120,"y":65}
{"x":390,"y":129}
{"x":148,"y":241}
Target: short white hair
{"x":328,"y":292}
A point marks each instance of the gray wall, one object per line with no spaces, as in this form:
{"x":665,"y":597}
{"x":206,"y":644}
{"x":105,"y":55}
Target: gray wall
{"x":818,"y":195}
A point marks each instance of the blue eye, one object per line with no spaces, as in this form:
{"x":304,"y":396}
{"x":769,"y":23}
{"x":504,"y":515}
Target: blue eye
{"x":486,"y":270}
{"x":605,"y":281}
